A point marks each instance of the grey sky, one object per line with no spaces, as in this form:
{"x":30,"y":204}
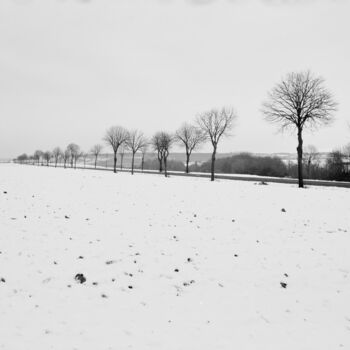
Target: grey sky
{"x":69,"y":69}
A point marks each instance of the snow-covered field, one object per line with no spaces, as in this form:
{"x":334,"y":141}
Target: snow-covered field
{"x":176,"y":263}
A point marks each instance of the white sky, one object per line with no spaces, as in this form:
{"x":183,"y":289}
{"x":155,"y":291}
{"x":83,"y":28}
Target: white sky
{"x":69,"y":69}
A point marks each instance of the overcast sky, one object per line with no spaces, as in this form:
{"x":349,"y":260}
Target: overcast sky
{"x":69,"y":69}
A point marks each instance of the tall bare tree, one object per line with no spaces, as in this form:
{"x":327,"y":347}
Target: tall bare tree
{"x":38,"y":155}
{"x":157,"y":146}
{"x":96,"y":150}
{"x":216,"y":124}
{"x":115,"y":137}
{"x":75,"y":153}
{"x":162,"y":142}
{"x":310,"y":158}
{"x":191,"y":138}
{"x":56,"y":153}
{"x":300,"y":101}
{"x":84,"y":155}
{"x":66,"y":157}
{"x":47,"y":156}
{"x":136,"y":140}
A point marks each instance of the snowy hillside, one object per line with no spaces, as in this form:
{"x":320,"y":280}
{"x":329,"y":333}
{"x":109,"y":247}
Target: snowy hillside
{"x":176,"y":263}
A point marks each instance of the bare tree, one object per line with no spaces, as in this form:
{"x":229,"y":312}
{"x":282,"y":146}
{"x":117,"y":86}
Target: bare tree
{"x":37,"y":155}
{"x":47,"y":156}
{"x":136,"y":140}
{"x":56,"y":153}
{"x":115,"y":137}
{"x":96,"y":150}
{"x":75,"y":153}
{"x":300,"y":101}
{"x":66,"y":157}
{"x":122,"y":149}
{"x":84,"y":155}
{"x":143,"y":154}
{"x":191,"y":137}
{"x":157,"y":146}
{"x":214,"y":125}
{"x":311,"y":158}
{"x":162,"y":141}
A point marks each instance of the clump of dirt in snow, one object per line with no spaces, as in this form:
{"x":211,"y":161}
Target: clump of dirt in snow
{"x":79,"y":277}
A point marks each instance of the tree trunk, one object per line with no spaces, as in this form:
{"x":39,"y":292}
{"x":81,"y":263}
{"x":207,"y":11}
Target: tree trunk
{"x":132,"y":163}
{"x":165,"y":167}
{"x":56,"y":163}
{"x":95,"y":162}
{"x":213,"y":157}
{"x":115,"y":162}
{"x":300,"y":158}
{"x":160,"y":159}
{"x":187,"y":162}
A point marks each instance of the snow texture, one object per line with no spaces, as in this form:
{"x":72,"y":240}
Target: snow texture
{"x":96,"y":260}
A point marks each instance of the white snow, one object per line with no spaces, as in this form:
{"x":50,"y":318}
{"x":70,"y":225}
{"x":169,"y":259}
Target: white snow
{"x":148,"y":226}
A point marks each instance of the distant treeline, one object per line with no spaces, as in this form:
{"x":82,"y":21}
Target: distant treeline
{"x":336,"y":167}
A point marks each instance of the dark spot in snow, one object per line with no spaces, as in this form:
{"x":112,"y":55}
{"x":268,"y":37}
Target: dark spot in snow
{"x":283,"y":284}
{"x":55,"y":262}
{"x":130,"y":287}
{"x":2,"y":279}
{"x":109,"y":262}
{"x":113,"y":279}
{"x":80,"y":257}
{"x":236,"y":255}
{"x":286,"y":274}
{"x":69,"y":286}
{"x":94,"y":283}
{"x":104,"y":296}
{"x":5,"y":192}
{"x":176,"y":270}
{"x":283,"y":210}
{"x":79,"y":277}
{"x":189,"y":259}
{"x":195,"y":215}
{"x":66,"y":217}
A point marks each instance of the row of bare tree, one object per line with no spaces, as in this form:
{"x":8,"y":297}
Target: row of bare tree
{"x":210,"y":126}
{"x":299,"y":101}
